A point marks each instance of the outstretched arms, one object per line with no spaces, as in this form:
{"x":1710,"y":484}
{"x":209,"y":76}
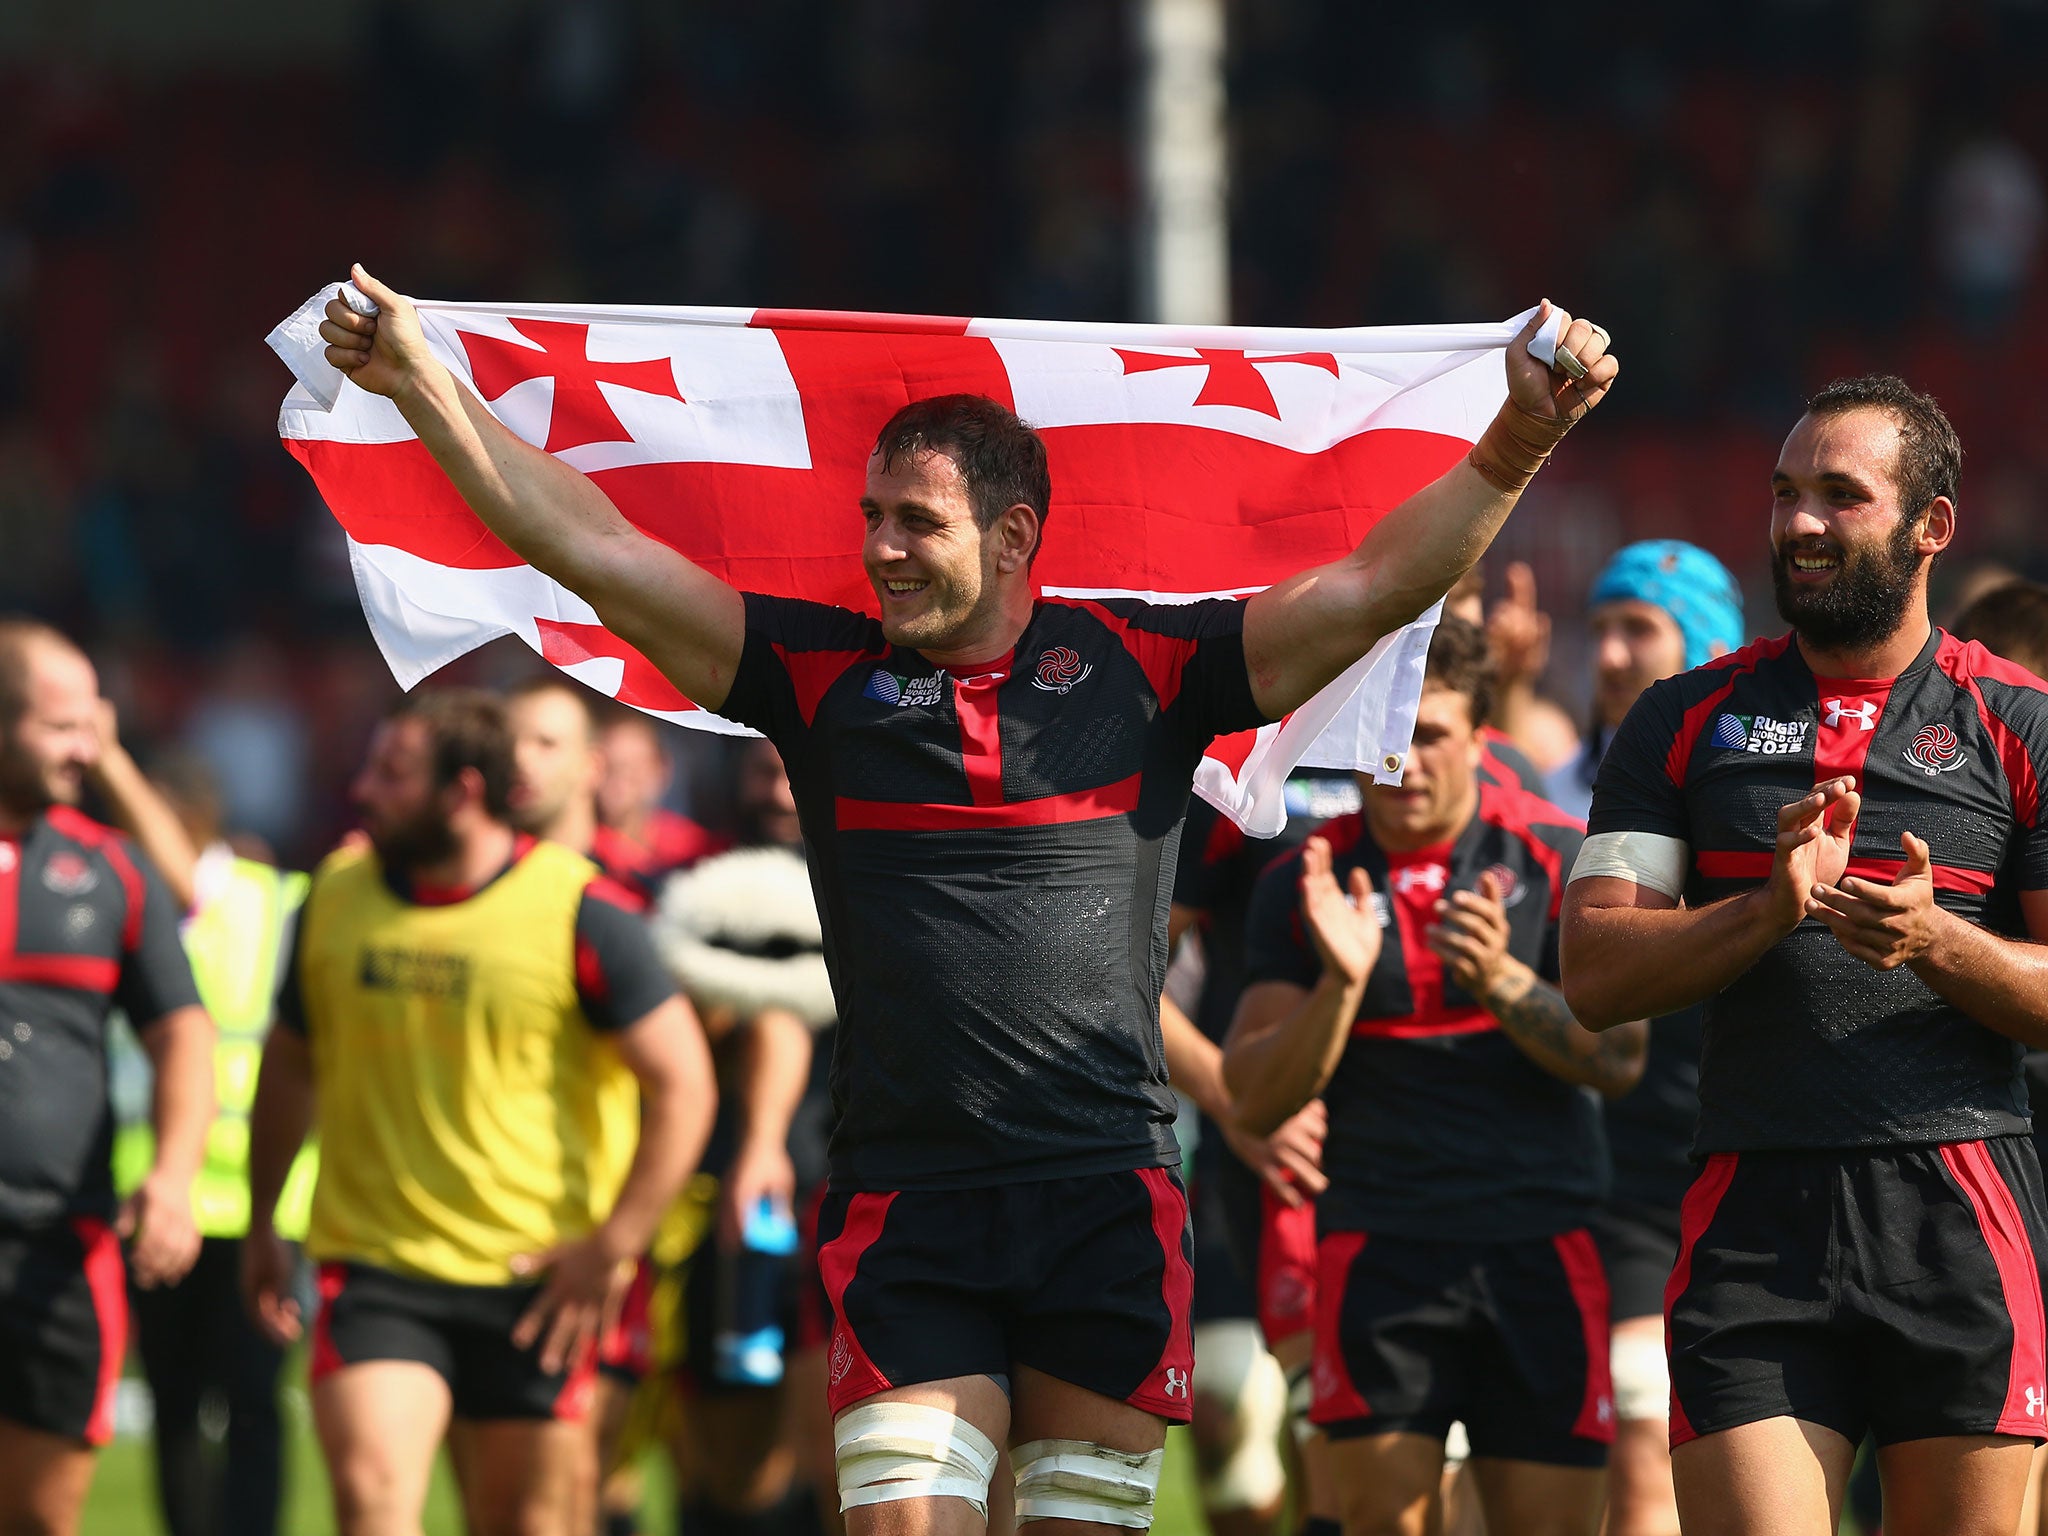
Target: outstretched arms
{"x":1301,"y":633}
{"x":683,"y":619}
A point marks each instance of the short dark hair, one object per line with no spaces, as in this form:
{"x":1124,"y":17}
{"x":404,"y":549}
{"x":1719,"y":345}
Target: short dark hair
{"x":1930,"y":454}
{"x":1000,"y":458}
{"x":1460,"y":661}
{"x":2009,"y":621}
{"x":555,"y":682}
{"x":468,"y":730}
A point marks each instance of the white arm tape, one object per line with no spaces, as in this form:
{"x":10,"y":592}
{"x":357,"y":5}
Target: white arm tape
{"x":887,"y":1451}
{"x":1641,"y":858}
{"x":1080,"y":1480}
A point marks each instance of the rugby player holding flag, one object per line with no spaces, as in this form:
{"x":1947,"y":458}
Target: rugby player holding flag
{"x":991,"y":785}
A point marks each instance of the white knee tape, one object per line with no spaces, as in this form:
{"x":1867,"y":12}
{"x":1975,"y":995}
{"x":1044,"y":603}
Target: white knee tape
{"x":1080,"y":1480}
{"x":888,"y":1451}
{"x":1241,"y":1379}
{"x":1642,"y":1378}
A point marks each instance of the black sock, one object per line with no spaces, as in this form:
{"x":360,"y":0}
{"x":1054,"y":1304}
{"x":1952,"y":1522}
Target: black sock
{"x":1316,"y":1525}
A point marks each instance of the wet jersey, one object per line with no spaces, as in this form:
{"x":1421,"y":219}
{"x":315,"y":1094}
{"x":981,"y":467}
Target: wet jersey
{"x":1810,"y":1047}
{"x":1440,"y":1125}
{"x":993,"y":852}
{"x":85,"y":925}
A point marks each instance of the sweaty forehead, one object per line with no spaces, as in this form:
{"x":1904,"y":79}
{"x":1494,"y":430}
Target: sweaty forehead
{"x":1862,"y":443}
{"x":923,"y":475}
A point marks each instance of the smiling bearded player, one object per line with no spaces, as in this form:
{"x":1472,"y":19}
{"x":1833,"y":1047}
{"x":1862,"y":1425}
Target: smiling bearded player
{"x":991,"y":786}
{"x":1834,"y":839}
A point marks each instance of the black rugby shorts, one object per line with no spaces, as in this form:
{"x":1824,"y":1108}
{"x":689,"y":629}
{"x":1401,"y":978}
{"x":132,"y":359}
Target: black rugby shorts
{"x":464,"y":1332}
{"x":63,"y":1328}
{"x":1638,"y":1244}
{"x":1508,"y":1337}
{"x":1894,"y":1290}
{"x":1087,"y":1279}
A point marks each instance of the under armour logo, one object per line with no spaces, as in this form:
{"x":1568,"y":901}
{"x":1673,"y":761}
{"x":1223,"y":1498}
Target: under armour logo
{"x":1421,"y":877}
{"x":1604,"y":1409}
{"x":1864,"y":713}
{"x":1176,"y":1382}
{"x":2034,"y":1402}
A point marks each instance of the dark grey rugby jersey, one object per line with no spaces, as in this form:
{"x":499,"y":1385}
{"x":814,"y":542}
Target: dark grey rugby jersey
{"x":84,"y":924}
{"x":993,"y":855}
{"x":1811,"y":1047}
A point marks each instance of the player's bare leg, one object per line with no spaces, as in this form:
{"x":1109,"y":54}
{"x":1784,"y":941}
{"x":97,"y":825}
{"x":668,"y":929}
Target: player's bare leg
{"x":1534,"y":1498}
{"x":1387,"y":1484}
{"x":380,"y":1424}
{"x":1776,"y":1477}
{"x":978,"y":1401}
{"x":522,"y":1477}
{"x":43,"y":1480}
{"x":733,"y":1450}
{"x":1047,"y":1408}
{"x":1955,"y":1485}
{"x":1639,"y":1497}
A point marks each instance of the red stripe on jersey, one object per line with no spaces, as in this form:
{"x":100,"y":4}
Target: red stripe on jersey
{"x":1753,"y":864}
{"x":81,"y":973}
{"x":1694,"y":1217}
{"x":1694,"y":721}
{"x":10,"y":894}
{"x":1161,"y":657}
{"x":1165,"y":1389}
{"x":811,"y":673}
{"x":1518,"y":813}
{"x":1336,"y":1396}
{"x":590,"y":978}
{"x":857,"y":320}
{"x":1850,"y":709}
{"x":1964,"y":664}
{"x":1587,"y":1277}
{"x":107,"y":1279}
{"x":981,"y":736}
{"x":326,"y":1358}
{"x":1119,"y":799}
{"x":851,"y":1375}
{"x":1435,"y":1021}
{"x":624,"y":897}
{"x":1417,"y":881}
{"x":2005,"y":1234}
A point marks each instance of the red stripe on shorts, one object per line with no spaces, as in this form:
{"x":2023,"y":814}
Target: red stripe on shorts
{"x":2005,"y":1234}
{"x":326,"y":1358}
{"x":1337,"y":1397}
{"x":1166,"y":1389}
{"x":578,"y":1387}
{"x":1587,"y":1277}
{"x":851,"y":1375}
{"x":107,"y":1280}
{"x":1287,"y":1264}
{"x":1694,"y":1217}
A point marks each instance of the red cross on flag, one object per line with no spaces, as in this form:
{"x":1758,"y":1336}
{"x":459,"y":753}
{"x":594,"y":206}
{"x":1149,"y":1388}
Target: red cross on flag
{"x":1186,"y":462}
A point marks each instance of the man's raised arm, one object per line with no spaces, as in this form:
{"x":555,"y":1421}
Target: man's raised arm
{"x":1301,"y":633}
{"x":683,"y":619}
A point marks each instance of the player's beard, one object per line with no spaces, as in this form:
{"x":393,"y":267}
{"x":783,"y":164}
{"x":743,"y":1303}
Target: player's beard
{"x":422,"y":839}
{"x":27,"y":785}
{"x":1866,"y":602}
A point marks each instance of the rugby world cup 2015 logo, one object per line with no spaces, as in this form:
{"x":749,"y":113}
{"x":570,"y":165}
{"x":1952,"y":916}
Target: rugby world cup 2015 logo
{"x":1060,"y":669}
{"x":1935,"y":750}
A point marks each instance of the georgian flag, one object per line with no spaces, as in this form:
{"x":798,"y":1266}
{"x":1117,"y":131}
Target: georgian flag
{"x":1186,"y":462}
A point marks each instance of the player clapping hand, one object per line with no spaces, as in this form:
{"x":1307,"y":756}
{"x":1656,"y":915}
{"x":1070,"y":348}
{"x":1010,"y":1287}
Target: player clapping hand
{"x":1341,"y":922}
{"x":1884,"y":926}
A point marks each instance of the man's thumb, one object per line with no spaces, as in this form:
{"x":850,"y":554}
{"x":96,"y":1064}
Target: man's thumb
{"x":372,"y":289}
{"x":1361,"y":887}
{"x":1918,"y":862}
{"x":1489,"y":887}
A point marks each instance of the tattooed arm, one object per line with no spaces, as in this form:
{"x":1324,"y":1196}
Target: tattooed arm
{"x":1472,"y":937}
{"x":1534,"y":1015}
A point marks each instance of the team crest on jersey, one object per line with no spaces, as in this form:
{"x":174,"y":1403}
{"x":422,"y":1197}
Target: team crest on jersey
{"x":66,"y":874}
{"x":1935,"y":750}
{"x":1760,"y":734}
{"x":905,"y":692}
{"x":1060,"y":669}
{"x":1512,"y":889}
